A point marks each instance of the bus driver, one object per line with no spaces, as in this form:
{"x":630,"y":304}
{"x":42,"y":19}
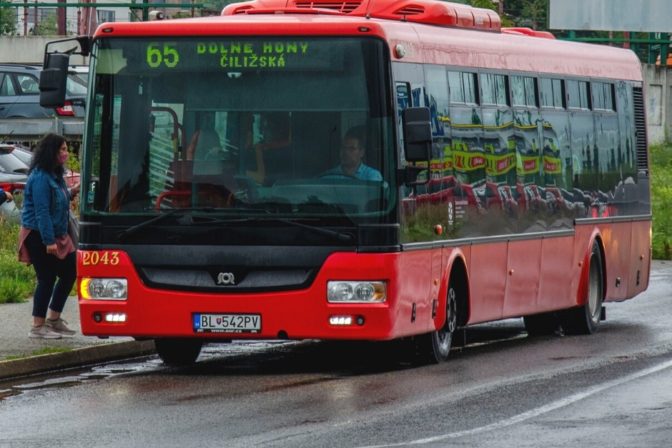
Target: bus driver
{"x":351,"y":154}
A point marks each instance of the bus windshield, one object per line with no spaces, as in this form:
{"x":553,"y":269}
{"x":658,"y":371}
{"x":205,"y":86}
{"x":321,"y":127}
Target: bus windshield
{"x":295,"y":127}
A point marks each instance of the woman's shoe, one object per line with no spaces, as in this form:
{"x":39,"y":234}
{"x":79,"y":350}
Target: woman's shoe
{"x":43,"y":332}
{"x":59,"y":326}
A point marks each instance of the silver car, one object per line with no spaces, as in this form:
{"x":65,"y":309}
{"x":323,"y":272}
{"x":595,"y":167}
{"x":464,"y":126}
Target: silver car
{"x":13,"y":176}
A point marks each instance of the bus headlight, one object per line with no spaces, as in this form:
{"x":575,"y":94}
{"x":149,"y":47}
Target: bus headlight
{"x":356,"y":291}
{"x":103,"y":288}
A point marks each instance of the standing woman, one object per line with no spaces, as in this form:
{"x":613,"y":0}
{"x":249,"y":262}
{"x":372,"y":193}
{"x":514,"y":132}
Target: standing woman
{"x":44,"y":239}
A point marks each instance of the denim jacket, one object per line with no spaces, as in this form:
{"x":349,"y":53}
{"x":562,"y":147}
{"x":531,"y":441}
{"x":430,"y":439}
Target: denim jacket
{"x":46,"y":205}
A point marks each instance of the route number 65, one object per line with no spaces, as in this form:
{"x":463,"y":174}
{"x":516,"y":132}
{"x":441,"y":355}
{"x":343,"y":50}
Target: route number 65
{"x":166,"y":54}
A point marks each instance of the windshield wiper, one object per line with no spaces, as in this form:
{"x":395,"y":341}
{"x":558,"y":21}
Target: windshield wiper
{"x":134,"y":229}
{"x":340,"y":236}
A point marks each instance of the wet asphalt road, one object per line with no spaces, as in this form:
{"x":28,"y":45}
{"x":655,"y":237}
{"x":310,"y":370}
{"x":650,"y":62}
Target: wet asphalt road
{"x":612,"y":389}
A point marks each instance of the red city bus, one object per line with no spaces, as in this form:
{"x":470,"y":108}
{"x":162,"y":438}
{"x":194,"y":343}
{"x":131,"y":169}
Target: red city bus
{"x":279,"y":172}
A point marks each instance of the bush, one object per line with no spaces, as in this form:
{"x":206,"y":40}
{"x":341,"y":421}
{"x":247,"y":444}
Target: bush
{"x":661,"y":200}
{"x":17,"y":281}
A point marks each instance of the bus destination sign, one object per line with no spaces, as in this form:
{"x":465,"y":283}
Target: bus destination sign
{"x":238,"y":55}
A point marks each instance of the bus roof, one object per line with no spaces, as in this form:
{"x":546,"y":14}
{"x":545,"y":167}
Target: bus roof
{"x":493,"y":48}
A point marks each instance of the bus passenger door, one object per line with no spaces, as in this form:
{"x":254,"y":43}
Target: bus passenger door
{"x":420,"y":265}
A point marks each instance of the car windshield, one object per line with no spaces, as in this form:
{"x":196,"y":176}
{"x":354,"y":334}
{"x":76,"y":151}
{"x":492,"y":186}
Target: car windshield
{"x":300,"y":128}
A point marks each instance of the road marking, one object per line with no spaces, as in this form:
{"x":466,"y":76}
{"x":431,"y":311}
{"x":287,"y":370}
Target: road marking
{"x":532,"y":413}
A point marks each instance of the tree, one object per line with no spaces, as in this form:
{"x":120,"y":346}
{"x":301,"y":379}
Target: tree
{"x":535,"y":14}
{"x":532,"y":13}
{"x":7,"y":21}
{"x":47,"y":26}
{"x":488,"y":4}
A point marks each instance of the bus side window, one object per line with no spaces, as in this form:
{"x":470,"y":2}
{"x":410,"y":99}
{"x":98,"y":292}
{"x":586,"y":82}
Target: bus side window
{"x":403,"y":102}
{"x":403,"y":96}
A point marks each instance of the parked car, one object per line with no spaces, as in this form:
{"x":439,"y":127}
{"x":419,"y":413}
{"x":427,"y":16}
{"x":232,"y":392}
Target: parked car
{"x":20,"y":93}
{"x":12,"y":167}
{"x":26,"y":156}
{"x":13,"y":176}
{"x":23,"y":154}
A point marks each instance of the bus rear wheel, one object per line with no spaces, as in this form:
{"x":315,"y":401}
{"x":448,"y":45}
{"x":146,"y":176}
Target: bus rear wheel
{"x":435,"y":347}
{"x":178,"y":352}
{"x":585,"y":319}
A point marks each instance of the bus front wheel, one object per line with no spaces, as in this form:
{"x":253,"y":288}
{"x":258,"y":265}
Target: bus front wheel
{"x":435,"y":347}
{"x":178,"y":352}
{"x":585,"y":319}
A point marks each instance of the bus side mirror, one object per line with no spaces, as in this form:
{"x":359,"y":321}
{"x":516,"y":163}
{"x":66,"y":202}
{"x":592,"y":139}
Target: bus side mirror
{"x":53,"y":78}
{"x":417,"y":134}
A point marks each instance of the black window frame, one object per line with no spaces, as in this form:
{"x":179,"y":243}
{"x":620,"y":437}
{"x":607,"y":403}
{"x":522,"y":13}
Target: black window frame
{"x":553,"y":93}
{"x":496,"y":103}
{"x":526,"y":93}
{"x":579,"y":83}
{"x":476,"y":87}
{"x":607,"y":91}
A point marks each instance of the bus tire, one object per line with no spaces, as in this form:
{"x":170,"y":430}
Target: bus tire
{"x":585,"y":319}
{"x":541,"y":324}
{"x":435,"y":347}
{"x":178,"y":352}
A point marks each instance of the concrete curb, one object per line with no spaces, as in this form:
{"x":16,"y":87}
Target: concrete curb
{"x":79,"y":357}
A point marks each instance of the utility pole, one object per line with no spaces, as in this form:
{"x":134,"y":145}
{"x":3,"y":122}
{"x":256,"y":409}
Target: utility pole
{"x":25,"y":18}
{"x":60,"y":18}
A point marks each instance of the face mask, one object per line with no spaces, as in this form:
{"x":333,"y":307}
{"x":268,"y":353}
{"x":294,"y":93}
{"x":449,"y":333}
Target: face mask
{"x":62,"y":158}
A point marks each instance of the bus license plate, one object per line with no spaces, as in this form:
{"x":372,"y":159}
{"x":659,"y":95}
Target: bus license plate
{"x":227,"y":323}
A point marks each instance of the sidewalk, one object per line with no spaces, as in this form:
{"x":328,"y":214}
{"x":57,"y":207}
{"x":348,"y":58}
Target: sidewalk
{"x":23,"y":352}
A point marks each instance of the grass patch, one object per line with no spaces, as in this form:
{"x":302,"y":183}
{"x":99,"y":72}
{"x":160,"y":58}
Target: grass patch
{"x":42,"y":351}
{"x":661,"y":200}
{"x":50,"y":350}
{"x":17,"y":281}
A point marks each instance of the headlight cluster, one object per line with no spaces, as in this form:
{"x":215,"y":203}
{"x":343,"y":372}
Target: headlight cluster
{"x":356,"y":291}
{"x":104,"y":288}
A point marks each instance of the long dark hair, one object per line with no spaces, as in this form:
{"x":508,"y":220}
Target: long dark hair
{"x":46,"y":154}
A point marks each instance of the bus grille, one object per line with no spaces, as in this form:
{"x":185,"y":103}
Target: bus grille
{"x":410,"y":10}
{"x":640,"y":130}
{"x":344,"y":7}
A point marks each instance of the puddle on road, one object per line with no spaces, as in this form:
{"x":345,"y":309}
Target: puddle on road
{"x":70,"y":378}
{"x":144,"y":365}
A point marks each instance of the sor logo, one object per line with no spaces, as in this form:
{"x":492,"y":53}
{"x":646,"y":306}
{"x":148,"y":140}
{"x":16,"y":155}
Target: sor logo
{"x":226,"y":278}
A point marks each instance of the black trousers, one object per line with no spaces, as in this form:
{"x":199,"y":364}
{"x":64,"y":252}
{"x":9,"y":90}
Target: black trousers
{"x":55,"y":277}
